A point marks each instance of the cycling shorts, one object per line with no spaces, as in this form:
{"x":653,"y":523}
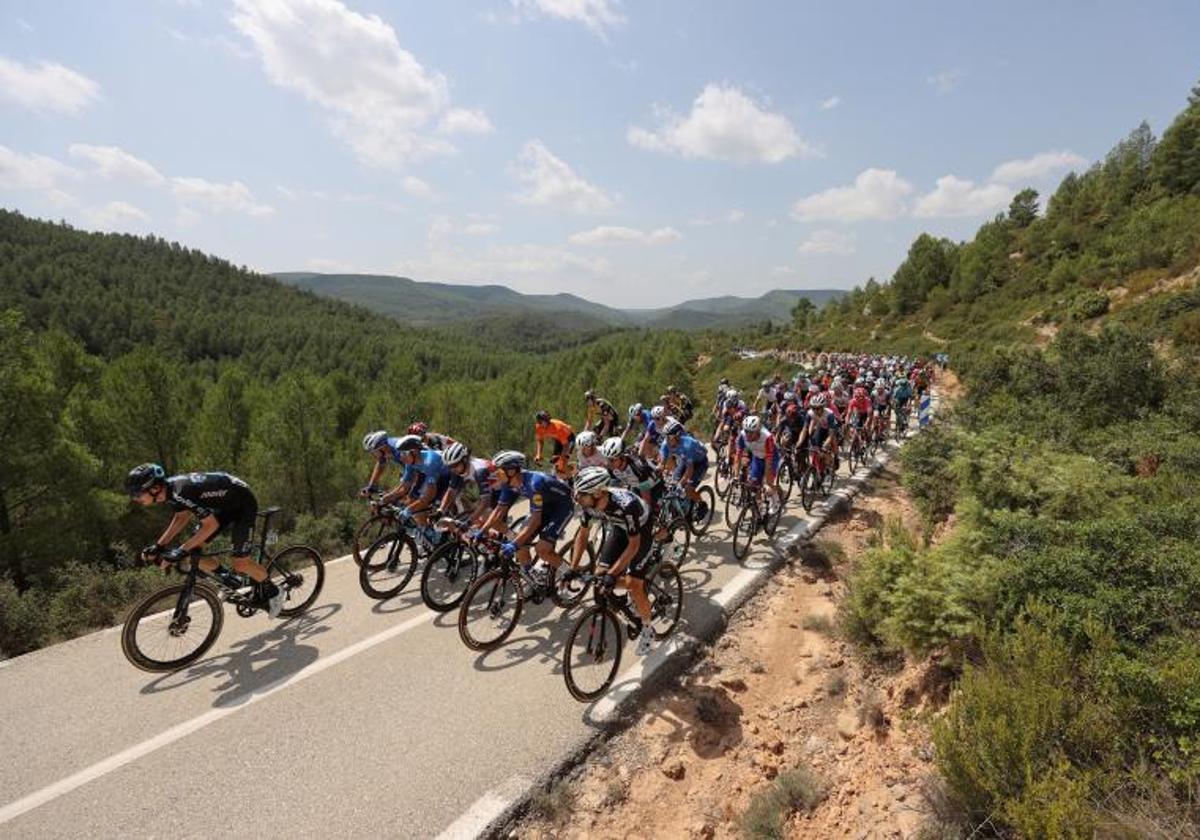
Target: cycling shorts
{"x":698,"y":472}
{"x":758,"y":467}
{"x":554,"y":519}
{"x":240,"y":525}
{"x":558,"y":449}
{"x":616,"y":540}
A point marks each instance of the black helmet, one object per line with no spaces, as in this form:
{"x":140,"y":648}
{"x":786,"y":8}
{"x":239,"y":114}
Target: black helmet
{"x":542,"y":416}
{"x":143,"y":477}
{"x":409,"y":443}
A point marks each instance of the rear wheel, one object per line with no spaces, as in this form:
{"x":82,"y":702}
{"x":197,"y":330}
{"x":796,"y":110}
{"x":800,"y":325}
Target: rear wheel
{"x":697,"y":522}
{"x":368,"y":533}
{"x":810,"y":483}
{"x":743,"y":530}
{"x":724,"y":475}
{"x":664,"y":588}
{"x":592,"y":656}
{"x":785,"y":481}
{"x":490,"y":610}
{"x":154,"y":639}
{"x":388,"y":566}
{"x":299,"y":572}
{"x":733,"y":503}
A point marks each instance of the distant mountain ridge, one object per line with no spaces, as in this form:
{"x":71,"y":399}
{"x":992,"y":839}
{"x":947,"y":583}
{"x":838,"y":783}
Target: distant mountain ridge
{"x":417,"y":302}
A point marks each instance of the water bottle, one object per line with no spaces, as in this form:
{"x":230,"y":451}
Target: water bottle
{"x":231,"y":579}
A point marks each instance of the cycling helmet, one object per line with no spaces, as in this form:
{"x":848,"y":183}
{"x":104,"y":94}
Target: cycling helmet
{"x":456,"y":453}
{"x":788,"y":396}
{"x":732,"y":395}
{"x":658,"y":412}
{"x":419,"y":429}
{"x":612,"y":448}
{"x":724,"y":380}
{"x":818,"y":401}
{"x":409,"y":443}
{"x":752,"y":424}
{"x":674,"y":427}
{"x":591,"y":479}
{"x":589,"y":394}
{"x":635,"y":410}
{"x":766,"y":383}
{"x":585,"y":438}
{"x":142,"y":477}
{"x":509,"y":458}
{"x":542,"y":416}
{"x":374,"y":440}
{"x":671,"y":389}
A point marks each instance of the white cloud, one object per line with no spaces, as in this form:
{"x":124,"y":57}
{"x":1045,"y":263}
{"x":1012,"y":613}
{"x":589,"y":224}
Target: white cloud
{"x":958,"y":197}
{"x":31,"y":172}
{"x":830,"y":103}
{"x":827,"y":242}
{"x":114,"y":163}
{"x":117,"y":216}
{"x":946,"y":81}
{"x":736,"y":215}
{"x":875,"y":194}
{"x":217,"y":197}
{"x":481,"y":229}
{"x":46,"y":87}
{"x":552,"y":182}
{"x":465,"y":121}
{"x":724,"y":124}
{"x":615,"y":235}
{"x":783,"y":271}
{"x":1038,"y":166}
{"x":381,"y":101}
{"x":417,"y":188}
{"x":597,"y":15}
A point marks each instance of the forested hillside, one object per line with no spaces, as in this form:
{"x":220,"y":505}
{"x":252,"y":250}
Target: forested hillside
{"x":116,"y":350}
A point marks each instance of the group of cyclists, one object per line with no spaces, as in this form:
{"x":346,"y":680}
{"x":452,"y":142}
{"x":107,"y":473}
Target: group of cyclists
{"x":615,"y":472}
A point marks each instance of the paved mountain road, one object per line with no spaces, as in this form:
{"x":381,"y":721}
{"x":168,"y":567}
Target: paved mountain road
{"x":361,"y":718}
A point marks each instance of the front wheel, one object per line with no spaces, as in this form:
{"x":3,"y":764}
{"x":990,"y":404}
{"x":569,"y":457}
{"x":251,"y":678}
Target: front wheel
{"x":664,"y":589}
{"x":700,"y":519}
{"x":163,"y":633}
{"x":299,"y":572}
{"x":723,"y":477}
{"x":490,"y":610}
{"x":388,"y":566}
{"x":810,"y":483}
{"x":786,"y":481}
{"x":744,"y":529}
{"x":592,"y":656}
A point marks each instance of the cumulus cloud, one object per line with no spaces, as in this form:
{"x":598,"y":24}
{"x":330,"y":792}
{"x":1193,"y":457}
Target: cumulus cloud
{"x":875,"y":194}
{"x":117,"y":216}
{"x":616,"y":235}
{"x":959,"y":197}
{"x":551,"y":182}
{"x":31,"y":172}
{"x":415,"y":187}
{"x":597,"y":15}
{"x":827,"y":242}
{"x":114,"y":163}
{"x":735,"y":215}
{"x":217,"y":197}
{"x":465,"y":121}
{"x":46,"y":87}
{"x":830,"y":103}
{"x":381,"y":101}
{"x":946,"y":81}
{"x":724,"y":124}
{"x":1038,"y":166}
{"x":480,"y":229}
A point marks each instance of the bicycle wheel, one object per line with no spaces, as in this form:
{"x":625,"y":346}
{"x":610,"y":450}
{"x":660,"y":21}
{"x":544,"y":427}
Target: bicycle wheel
{"x":743,"y":530}
{"x":154,"y":640}
{"x":723,"y":477}
{"x":388,"y":566}
{"x":299,"y":572}
{"x":490,"y":610}
{"x":368,"y":532}
{"x":771,"y":520}
{"x":592,"y":656}
{"x":568,"y":593}
{"x":697,"y":523}
{"x":733,"y":503}
{"x":829,"y":477}
{"x":677,"y":540}
{"x":448,"y":575}
{"x":664,"y":588}
{"x":810,"y":483}
{"x":786,"y":481}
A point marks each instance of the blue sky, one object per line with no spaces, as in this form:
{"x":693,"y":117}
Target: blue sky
{"x":636,"y":153}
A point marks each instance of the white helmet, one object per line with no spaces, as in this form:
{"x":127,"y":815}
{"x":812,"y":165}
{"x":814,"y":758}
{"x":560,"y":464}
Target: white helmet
{"x":456,"y":453}
{"x":591,"y":479}
{"x":732,"y":395}
{"x":612,"y":448}
{"x":673,"y":427}
{"x":818,"y":401}
{"x":635,"y":410}
{"x":374,"y":440}
{"x":509,"y":458}
{"x":752,"y":423}
{"x":585,"y":438}
{"x":658,"y":412}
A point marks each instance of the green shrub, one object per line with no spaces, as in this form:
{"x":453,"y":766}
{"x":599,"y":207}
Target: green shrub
{"x":23,"y":620}
{"x":926,"y":474}
{"x":87,"y":597}
{"x":330,"y":534}
{"x":1087,"y":304}
{"x":767,"y":813}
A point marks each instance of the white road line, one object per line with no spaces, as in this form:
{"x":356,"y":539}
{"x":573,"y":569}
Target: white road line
{"x":182,"y":730}
{"x":485,"y":809}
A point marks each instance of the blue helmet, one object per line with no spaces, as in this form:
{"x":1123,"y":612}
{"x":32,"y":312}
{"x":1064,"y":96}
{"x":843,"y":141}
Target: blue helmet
{"x":143,"y":477}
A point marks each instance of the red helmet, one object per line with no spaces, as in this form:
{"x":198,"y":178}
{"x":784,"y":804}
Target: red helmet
{"x":418,"y":428}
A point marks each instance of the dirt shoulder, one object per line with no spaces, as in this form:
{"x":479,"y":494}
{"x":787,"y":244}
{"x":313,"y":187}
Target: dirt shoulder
{"x":778,"y":691}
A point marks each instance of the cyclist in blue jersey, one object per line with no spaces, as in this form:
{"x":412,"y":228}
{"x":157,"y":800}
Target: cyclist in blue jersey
{"x":651,"y":440}
{"x":383,"y":448}
{"x":425,"y":480}
{"x":901,"y":394}
{"x":550,"y":509}
{"x":688,"y":458}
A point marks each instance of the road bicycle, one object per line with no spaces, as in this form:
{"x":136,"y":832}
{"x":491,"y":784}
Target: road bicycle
{"x":818,"y":476}
{"x":175,"y":626}
{"x":392,"y":560}
{"x":677,"y":504}
{"x":592,"y":656}
{"x":755,"y":513}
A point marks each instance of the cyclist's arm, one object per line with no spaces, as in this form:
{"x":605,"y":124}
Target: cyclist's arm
{"x":425,"y":501}
{"x":581,"y":538}
{"x":448,"y":499}
{"x":208,"y":526}
{"x":178,"y":522}
{"x":397,"y":492}
{"x":377,"y":472}
{"x":532,"y":524}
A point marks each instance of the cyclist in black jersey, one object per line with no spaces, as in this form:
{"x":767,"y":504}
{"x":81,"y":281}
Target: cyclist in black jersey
{"x":625,"y":554}
{"x":632,"y":472}
{"x":601,"y":417}
{"x":219,"y":502}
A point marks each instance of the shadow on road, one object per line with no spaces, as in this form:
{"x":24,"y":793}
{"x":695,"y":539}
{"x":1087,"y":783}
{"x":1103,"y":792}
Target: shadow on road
{"x":253,"y":664}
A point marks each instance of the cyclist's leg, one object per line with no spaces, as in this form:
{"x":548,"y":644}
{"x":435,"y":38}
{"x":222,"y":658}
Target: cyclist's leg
{"x":634,"y":578}
{"x":554,"y":521}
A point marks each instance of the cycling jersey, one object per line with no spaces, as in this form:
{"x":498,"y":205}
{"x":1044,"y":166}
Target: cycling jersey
{"x":393,"y":444}
{"x":636,"y":474}
{"x":860,"y":405}
{"x":478,"y":473}
{"x":688,"y":451}
{"x":593,"y":460}
{"x":767,"y":395}
{"x":902,"y":392}
{"x":555,"y":430}
{"x":624,"y":510}
{"x":438,"y":441}
{"x":547,"y":495}
{"x":429,"y":465}
{"x":219,"y":494}
{"x":763,"y":447}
